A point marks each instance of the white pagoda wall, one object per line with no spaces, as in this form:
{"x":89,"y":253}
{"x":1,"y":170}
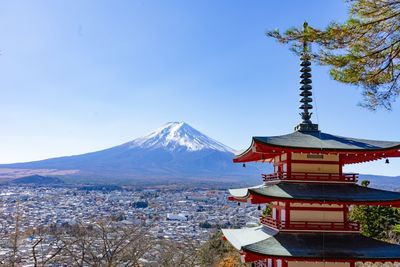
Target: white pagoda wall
{"x":316,"y":216}
{"x":323,"y":215}
{"x":315,"y":167}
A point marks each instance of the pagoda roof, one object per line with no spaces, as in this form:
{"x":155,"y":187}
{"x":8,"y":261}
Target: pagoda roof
{"x":265,"y":147}
{"x":327,"y":246}
{"x":315,"y":192}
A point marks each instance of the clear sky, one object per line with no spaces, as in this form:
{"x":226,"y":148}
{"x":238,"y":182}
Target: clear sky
{"x":79,"y":76}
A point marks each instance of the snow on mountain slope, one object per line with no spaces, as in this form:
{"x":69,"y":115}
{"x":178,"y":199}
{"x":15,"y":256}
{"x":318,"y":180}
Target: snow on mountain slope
{"x":177,"y":135}
{"x":174,"y":150}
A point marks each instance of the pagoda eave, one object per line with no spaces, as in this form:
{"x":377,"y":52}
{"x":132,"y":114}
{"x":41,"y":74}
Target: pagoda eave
{"x":257,"y":199}
{"x":349,"y":194}
{"x":261,"y":151}
{"x":262,"y":243}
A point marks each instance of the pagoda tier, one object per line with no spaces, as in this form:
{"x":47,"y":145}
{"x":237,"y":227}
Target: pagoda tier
{"x":263,"y":244}
{"x":328,"y":193}
{"x":348,"y":150}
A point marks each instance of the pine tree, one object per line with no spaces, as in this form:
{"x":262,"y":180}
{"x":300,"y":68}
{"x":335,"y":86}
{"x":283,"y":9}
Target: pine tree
{"x":364,"y":51}
{"x":376,"y":222}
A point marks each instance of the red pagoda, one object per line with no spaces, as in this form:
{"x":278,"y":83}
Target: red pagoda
{"x":310,"y":197}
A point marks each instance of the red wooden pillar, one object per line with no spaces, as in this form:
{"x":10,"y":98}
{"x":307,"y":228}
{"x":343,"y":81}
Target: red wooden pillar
{"x":340,"y":166}
{"x":287,"y":213}
{"x":352,"y":264}
{"x":345,"y":213}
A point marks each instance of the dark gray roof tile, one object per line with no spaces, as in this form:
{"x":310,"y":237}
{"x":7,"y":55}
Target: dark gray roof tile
{"x":324,"y":192}
{"x":325,"y":246}
{"x":320,"y":140}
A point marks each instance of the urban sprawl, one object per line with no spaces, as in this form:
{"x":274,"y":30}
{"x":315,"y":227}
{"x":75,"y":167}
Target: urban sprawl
{"x":175,"y":214}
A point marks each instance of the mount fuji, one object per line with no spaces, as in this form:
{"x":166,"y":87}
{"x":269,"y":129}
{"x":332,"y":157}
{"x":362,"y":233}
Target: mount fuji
{"x":174,"y":151}
{"x":179,"y":136}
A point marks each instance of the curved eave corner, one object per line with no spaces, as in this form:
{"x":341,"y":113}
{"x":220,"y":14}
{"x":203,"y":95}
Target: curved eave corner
{"x":246,"y":155}
{"x":251,"y":154}
{"x":244,"y":195}
{"x":240,"y":195}
{"x":247,"y":236}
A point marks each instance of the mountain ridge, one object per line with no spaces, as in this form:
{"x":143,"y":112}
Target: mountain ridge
{"x":175,"y":150}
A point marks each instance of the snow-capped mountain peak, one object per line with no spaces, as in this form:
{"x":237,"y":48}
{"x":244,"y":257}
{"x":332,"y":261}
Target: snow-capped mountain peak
{"x":179,"y":135}
{"x":174,"y":151}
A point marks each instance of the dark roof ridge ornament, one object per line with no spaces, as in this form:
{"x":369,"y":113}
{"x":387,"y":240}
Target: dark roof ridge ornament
{"x":306,"y":125}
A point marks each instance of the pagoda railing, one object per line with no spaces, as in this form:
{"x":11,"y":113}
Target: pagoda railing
{"x":311,"y":176}
{"x":308,"y":225}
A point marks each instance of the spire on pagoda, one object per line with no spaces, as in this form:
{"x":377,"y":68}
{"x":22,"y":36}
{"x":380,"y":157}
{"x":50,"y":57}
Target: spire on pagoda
{"x":305,"y":106}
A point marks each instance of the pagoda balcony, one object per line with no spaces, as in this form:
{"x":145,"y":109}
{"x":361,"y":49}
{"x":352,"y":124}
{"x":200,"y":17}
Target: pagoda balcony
{"x":311,"y":176}
{"x":310,"y":226}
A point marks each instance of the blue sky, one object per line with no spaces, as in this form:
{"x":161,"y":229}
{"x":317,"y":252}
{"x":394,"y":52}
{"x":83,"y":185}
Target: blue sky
{"x":79,"y":76}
